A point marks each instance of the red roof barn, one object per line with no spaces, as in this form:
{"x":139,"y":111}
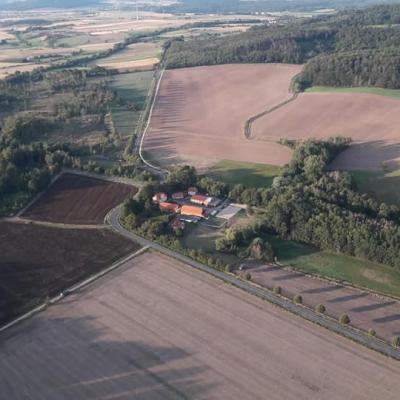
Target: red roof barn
{"x":169,"y":207}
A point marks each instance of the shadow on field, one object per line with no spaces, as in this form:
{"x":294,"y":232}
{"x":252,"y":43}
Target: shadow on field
{"x":88,"y":360}
{"x":367,"y":156}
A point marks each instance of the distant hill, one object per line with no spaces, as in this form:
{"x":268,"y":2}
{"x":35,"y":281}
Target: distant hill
{"x":240,"y":6}
{"x":351,"y":48}
{"x":25,"y":5}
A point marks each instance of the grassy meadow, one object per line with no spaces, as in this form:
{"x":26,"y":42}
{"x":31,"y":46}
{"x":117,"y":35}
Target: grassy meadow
{"x":247,"y":174}
{"x":366,"y":90}
{"x":308,"y":259}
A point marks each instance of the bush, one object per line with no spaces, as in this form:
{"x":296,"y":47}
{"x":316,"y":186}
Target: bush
{"x":320,"y":309}
{"x":247,"y":276}
{"x":395,"y":341}
{"x":371,"y":332}
{"x":344,"y":319}
{"x":298,"y":299}
{"x":228,"y":268}
{"x":277,"y":290}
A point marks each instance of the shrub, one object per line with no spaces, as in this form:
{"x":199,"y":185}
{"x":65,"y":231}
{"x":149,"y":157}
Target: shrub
{"x":320,"y":309}
{"x":228,"y":268}
{"x":344,"y":319}
{"x":371,"y":332}
{"x":247,"y":276}
{"x":298,"y":299}
{"x":395,"y":341}
{"x":277,"y":290}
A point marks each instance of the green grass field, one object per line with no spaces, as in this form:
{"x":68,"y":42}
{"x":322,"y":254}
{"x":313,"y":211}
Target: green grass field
{"x":378,"y":277}
{"x":384,"y":186}
{"x":366,"y":90}
{"x":133,"y":87}
{"x":247,"y":174}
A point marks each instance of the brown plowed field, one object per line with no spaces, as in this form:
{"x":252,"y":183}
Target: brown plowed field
{"x":372,"y":121}
{"x":76,"y":199}
{"x":200,"y":113}
{"x":161,"y":330}
{"x":365,"y":310}
{"x":37,"y":262}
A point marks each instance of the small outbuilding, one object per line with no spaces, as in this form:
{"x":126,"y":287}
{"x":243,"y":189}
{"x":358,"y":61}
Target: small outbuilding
{"x":159,"y":197}
{"x":178,"y":196}
{"x":192,"y":191}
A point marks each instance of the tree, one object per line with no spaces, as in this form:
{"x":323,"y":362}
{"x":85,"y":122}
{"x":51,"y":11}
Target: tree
{"x":320,"y":309}
{"x":344,"y":319}
{"x":395,"y":341}
{"x":298,"y":299}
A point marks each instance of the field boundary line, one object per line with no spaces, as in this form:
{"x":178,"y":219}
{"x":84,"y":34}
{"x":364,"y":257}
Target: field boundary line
{"x":72,"y":289}
{"x":149,"y":164}
{"x":266,"y":294}
{"x":249,"y":123}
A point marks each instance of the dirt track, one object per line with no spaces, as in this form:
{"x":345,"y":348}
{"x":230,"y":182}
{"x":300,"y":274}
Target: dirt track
{"x":162,"y":330}
{"x":78,"y":199}
{"x":200,"y":113}
{"x":372,"y":121}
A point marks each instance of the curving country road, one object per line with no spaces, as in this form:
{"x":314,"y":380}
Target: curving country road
{"x":265,"y":294}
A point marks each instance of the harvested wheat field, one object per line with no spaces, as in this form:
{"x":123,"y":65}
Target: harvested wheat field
{"x":161,"y":330}
{"x":200,"y":113}
{"x":38,"y":261}
{"x":77,"y":199}
{"x":372,"y":121}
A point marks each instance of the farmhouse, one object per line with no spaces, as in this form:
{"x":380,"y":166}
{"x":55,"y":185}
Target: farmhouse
{"x":192,"y":211}
{"x":178,"y":196}
{"x":159,"y":197}
{"x":192,"y":191}
{"x":199,"y":199}
{"x":169,"y":207}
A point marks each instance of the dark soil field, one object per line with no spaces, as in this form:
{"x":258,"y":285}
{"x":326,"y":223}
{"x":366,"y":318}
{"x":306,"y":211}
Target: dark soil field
{"x":158,"y":329}
{"x":76,"y":199}
{"x":36,"y":262}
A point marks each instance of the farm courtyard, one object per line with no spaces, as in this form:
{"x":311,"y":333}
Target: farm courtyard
{"x":161,"y":330}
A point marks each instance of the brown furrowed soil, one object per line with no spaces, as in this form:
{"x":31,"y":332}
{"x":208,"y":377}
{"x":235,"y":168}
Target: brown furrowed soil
{"x":76,"y":199}
{"x":200,"y":113}
{"x":161,"y":330}
{"x":365,"y":310}
{"x":372,"y":121}
{"x":37,"y":262}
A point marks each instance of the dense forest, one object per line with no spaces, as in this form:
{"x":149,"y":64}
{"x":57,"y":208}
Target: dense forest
{"x":351,"y":48}
{"x":309,"y":204}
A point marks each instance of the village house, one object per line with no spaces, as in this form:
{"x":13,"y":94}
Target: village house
{"x":169,"y":207}
{"x":178,"y":196}
{"x":192,"y":191}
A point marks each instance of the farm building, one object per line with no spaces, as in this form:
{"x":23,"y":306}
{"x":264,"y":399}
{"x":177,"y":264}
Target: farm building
{"x":178,"y":196}
{"x":192,"y":211}
{"x":213,"y":202}
{"x":169,"y":207}
{"x":192,"y":191}
{"x":159,"y":197}
{"x":199,"y":199}
{"x":189,"y":218}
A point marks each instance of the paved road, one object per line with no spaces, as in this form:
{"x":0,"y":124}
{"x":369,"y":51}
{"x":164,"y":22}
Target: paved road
{"x":310,"y":315}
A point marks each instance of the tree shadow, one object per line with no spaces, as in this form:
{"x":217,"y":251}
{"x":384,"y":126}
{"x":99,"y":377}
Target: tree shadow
{"x":83,"y":359}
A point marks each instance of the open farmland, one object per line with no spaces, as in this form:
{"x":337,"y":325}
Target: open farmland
{"x":37,"y":262}
{"x":200,"y":113}
{"x":372,"y":121}
{"x":160,"y":330}
{"x":77,"y":199}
